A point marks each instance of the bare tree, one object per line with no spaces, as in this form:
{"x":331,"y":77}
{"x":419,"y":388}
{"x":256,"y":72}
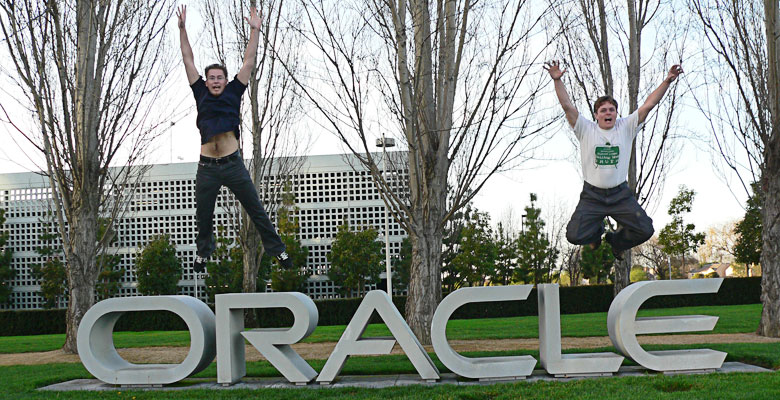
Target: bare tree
{"x":719,"y":243}
{"x":742,"y":105}
{"x":457,"y":82}
{"x":651,"y":255}
{"x":274,"y":106}
{"x":92,"y":71}
{"x":570,"y":264}
{"x":602,"y":42}
{"x":556,"y":215}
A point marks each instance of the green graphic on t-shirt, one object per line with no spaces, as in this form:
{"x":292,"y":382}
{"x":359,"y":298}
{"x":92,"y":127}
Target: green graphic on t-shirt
{"x":607,"y":156}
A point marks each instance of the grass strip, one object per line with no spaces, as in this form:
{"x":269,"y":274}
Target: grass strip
{"x":21,"y":382}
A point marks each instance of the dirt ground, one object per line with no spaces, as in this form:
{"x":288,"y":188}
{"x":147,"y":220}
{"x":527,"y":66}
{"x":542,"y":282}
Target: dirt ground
{"x":314,"y":351}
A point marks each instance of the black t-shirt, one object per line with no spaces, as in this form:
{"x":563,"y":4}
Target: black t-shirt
{"x":218,"y":114}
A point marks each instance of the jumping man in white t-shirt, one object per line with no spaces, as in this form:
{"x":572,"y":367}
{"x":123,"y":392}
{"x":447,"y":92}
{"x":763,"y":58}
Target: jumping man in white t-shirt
{"x":605,"y":150}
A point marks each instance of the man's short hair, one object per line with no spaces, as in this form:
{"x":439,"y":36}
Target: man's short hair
{"x":601,"y":100}
{"x":215,"y":66}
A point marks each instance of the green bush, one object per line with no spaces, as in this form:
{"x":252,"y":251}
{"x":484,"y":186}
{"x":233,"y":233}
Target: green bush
{"x":158,"y":269}
{"x":573,"y":300}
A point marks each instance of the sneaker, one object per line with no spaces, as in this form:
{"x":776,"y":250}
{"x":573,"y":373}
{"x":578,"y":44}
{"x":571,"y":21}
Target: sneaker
{"x":609,"y":236}
{"x":284,"y":260}
{"x":200,"y":264}
{"x":618,"y":254}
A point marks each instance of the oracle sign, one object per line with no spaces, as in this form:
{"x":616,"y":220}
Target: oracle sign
{"x":223,"y":334}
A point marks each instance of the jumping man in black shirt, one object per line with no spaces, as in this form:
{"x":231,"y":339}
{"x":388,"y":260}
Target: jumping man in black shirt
{"x":219,"y":120}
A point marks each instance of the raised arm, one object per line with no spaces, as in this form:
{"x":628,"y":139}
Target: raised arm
{"x":659,"y":92}
{"x":186,"y":50}
{"x":553,"y":68}
{"x":255,"y":22}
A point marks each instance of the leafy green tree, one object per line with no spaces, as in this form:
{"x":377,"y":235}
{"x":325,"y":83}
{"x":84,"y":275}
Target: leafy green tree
{"x":747,"y":249}
{"x":638,"y":274}
{"x":678,"y":238}
{"x":451,"y":238}
{"x":158,"y":269}
{"x":50,"y":273}
{"x":506,"y":256}
{"x":355,"y":259}
{"x":536,"y":256}
{"x":282,"y":279}
{"x":6,"y":271}
{"x":699,"y":275}
{"x":402,"y":266}
{"x":226,"y":274}
{"x":108,"y":282}
{"x":596,"y":264}
{"x":475,"y":261}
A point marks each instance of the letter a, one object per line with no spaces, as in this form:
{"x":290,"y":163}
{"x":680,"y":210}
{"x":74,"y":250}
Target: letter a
{"x":352,"y":344}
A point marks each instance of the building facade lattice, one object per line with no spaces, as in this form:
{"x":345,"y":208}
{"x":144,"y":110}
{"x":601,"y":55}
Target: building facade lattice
{"x":329,"y":190}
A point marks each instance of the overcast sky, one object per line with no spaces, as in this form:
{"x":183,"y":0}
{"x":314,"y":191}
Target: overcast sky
{"x":555,"y":178}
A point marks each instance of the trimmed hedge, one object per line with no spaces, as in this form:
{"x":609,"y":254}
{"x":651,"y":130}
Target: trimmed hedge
{"x":573,"y":300}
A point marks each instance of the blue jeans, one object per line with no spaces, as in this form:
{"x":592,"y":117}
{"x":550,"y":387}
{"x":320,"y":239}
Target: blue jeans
{"x":587,"y":222}
{"x":231,"y":172}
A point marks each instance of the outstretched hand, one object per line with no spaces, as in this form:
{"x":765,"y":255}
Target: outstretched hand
{"x":182,"y":14}
{"x":674,"y":72}
{"x":554,"y":69}
{"x":255,"y":20}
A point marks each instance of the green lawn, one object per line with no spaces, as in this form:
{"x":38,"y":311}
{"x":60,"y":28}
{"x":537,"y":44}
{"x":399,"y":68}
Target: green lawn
{"x":20,"y":382}
{"x":733,"y":319}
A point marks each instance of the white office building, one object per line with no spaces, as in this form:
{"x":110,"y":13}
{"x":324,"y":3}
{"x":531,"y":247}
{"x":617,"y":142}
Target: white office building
{"x":328,"y":189}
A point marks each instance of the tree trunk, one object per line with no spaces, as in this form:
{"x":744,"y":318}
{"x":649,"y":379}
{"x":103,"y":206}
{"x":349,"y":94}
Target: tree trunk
{"x":770,"y":250}
{"x":606,"y":63}
{"x":82,"y":271}
{"x":622,"y":273}
{"x":253,"y":253}
{"x":623,"y":268}
{"x":81,"y":251}
{"x":770,"y":257}
{"x":425,"y":281}
{"x":250,"y":238}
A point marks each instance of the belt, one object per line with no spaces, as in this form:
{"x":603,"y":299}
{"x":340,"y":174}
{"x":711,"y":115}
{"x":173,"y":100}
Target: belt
{"x":606,"y":190}
{"x":220,"y":160}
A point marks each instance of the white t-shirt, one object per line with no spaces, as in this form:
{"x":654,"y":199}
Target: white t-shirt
{"x":605,"y":154}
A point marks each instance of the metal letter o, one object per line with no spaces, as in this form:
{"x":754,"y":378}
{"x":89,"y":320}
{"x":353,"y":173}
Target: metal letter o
{"x":98,"y":354}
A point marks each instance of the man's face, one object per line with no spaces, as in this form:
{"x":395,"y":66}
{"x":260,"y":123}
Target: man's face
{"x":605,"y":115}
{"x":215,"y":81}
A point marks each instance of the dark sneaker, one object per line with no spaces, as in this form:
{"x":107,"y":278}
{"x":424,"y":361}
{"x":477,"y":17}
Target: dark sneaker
{"x":609,"y":236}
{"x":200,"y":264}
{"x":618,"y":254}
{"x":284,"y":260}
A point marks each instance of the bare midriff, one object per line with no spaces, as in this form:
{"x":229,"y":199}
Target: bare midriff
{"x":221,"y":145}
